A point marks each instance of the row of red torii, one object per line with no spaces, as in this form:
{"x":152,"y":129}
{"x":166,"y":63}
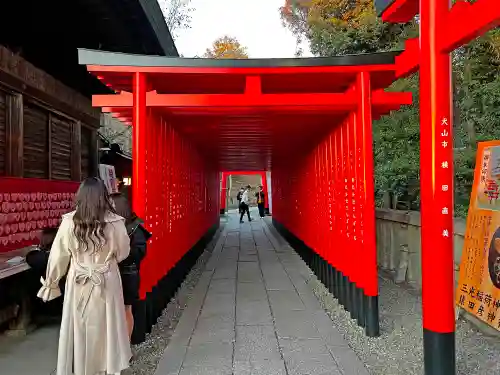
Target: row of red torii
{"x":310,"y":122}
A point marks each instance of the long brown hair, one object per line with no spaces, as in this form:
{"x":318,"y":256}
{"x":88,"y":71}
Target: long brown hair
{"x":92,"y":205}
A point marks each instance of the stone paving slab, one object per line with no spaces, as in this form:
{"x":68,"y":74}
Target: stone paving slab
{"x":256,"y":343}
{"x":253,"y":313}
{"x":260,"y":367}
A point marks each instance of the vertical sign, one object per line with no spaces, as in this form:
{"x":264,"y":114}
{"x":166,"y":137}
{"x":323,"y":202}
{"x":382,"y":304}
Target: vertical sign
{"x":108,"y":175}
{"x":436,"y":192}
{"x":478,"y":289}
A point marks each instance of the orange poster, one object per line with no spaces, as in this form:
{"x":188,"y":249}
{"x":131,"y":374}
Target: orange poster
{"x":478,"y":289}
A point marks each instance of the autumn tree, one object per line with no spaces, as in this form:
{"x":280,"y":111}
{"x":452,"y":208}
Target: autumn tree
{"x":226,"y":47}
{"x":337,"y":27}
{"x":294,"y":15}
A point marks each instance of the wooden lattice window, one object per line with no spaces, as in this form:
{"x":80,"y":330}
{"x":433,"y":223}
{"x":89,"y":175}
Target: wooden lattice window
{"x":36,"y":141}
{"x":3,"y":125}
{"x":86,"y":149}
{"x":60,"y":147}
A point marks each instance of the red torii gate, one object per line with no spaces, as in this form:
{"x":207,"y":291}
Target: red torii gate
{"x":223,"y":193}
{"x":443,"y":28}
{"x":316,"y":115}
{"x":307,"y":120}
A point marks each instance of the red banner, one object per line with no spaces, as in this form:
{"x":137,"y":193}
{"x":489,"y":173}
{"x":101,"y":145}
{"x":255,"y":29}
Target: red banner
{"x":29,"y":205}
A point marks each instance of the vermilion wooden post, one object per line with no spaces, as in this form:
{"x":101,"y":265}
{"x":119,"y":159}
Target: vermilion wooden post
{"x":436,"y":192}
{"x":358,"y":195}
{"x":314,"y":229}
{"x":320,"y":204}
{"x":164,"y":203}
{"x":342,"y":208}
{"x":264,"y":189}
{"x":151,"y":192}
{"x":348,"y":182}
{"x":348,"y":213}
{"x":370,"y":283}
{"x":325,"y":226}
{"x":337,"y":235}
{"x":170,"y":214}
{"x":357,"y":249}
{"x":139,"y":145}
{"x":338,"y":217}
{"x":329,"y":182}
{"x":138,"y":157}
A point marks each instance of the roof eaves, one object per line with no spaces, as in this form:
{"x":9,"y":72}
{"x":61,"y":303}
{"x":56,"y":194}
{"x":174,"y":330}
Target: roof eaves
{"x":156,"y":19}
{"x":93,"y":57}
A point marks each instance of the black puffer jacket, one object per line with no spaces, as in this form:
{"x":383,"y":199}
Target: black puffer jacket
{"x":139,"y":237}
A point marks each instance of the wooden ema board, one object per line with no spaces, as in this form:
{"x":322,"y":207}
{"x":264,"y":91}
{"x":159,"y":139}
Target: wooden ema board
{"x":478,"y":290}
{"x":29,"y":205}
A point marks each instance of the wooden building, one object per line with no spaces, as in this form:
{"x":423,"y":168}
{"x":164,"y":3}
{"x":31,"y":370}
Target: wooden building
{"x":49,"y":137}
{"x":48,"y":129}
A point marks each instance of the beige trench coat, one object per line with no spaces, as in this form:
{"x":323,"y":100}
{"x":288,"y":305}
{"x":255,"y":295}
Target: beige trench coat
{"x":93,"y":339}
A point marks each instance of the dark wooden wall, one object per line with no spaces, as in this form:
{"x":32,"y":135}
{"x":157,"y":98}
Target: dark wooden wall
{"x":46,"y":129}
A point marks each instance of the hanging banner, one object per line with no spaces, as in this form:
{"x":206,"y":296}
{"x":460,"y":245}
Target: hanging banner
{"x":108,"y":175}
{"x":478,"y":290}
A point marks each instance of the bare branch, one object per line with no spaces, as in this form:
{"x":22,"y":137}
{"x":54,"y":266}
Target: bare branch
{"x":177,"y":14}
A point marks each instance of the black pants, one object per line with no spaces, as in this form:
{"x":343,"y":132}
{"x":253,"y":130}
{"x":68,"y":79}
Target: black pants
{"x":261,"y":210}
{"x":244,"y":208}
{"x":239,"y":206}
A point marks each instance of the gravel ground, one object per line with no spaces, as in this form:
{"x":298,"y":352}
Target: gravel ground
{"x":399,"y":348}
{"x":148,"y":353}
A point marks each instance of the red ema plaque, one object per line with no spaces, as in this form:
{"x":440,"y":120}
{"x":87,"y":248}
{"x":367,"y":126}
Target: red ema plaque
{"x":28,"y":207}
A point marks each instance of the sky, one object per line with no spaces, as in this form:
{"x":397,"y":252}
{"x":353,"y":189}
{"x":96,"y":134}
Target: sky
{"x":255,"y":23}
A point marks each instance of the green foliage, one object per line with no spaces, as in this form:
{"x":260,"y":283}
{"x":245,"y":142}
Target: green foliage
{"x":369,"y":37}
{"x":396,"y":145}
{"x":477,"y":109}
{"x":397,"y":136}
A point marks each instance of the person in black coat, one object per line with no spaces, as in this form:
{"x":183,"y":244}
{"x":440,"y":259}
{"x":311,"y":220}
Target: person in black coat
{"x":261,"y":199}
{"x":38,"y":260}
{"x":129,"y":267}
{"x":238,"y":198}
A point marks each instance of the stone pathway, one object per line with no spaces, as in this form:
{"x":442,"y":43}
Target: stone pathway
{"x":34,"y":354}
{"x":262,"y":325}
{"x":252,"y":313}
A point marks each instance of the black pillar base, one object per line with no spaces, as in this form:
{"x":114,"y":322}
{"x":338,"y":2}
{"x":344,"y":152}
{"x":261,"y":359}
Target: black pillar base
{"x":371,"y":316}
{"x":354,"y":301}
{"x":314,"y":261}
{"x":361,"y":317}
{"x":439,"y":353}
{"x":342,"y":289}
{"x":147,"y":311}
{"x":338,"y":280}
{"x":326,"y":277}
{"x":331,"y":278}
{"x":347,"y":293}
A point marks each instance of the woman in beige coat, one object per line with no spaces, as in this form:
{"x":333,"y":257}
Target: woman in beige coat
{"x":90,"y":243}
